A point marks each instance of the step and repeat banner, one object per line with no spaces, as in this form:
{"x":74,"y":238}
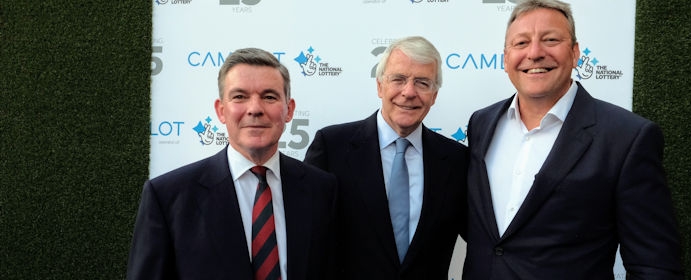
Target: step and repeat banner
{"x":332,"y":48}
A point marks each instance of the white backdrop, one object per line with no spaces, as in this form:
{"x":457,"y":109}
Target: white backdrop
{"x":191,"y":38}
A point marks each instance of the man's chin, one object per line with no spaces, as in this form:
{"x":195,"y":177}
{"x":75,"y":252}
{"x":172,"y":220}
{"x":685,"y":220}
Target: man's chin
{"x":256,"y":144}
{"x":407,"y":123}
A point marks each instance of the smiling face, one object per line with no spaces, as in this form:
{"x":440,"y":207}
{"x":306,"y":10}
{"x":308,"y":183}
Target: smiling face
{"x":404,"y":108}
{"x":254,"y":109}
{"x":540,"y":55}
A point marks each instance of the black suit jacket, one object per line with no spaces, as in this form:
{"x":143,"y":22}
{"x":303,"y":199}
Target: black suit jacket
{"x":189,"y":224}
{"x":365,"y":234}
{"x":601,"y":185}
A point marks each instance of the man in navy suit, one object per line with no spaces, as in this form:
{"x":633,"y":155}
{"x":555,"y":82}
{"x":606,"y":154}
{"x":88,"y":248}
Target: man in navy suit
{"x":558,"y":179}
{"x":361,"y":154}
{"x":196,"y":222}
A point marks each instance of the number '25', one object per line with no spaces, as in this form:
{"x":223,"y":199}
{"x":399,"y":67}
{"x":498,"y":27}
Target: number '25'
{"x":296,"y":131}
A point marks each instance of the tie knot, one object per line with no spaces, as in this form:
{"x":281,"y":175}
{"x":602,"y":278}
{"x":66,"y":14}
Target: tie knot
{"x":258,"y":171}
{"x":401,"y":145}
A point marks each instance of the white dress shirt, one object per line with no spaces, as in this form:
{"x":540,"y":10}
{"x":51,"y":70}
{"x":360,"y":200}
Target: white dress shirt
{"x":413,"y":158}
{"x":245,"y":189}
{"x":516,"y":155}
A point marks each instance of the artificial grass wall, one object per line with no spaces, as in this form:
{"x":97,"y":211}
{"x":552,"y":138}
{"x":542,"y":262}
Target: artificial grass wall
{"x":661,"y":92}
{"x":74,"y":127}
{"x":74,"y":138}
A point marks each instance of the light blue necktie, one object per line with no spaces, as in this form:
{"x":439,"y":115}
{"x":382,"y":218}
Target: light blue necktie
{"x":399,"y":201}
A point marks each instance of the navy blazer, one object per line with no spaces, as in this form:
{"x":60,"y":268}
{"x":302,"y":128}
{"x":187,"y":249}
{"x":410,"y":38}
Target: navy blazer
{"x":367,"y":245}
{"x":602,"y":185}
{"x":189,"y":224}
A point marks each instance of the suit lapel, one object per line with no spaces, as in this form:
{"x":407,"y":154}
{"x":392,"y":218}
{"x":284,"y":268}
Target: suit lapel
{"x":572,"y":141}
{"x":436,"y":171}
{"x":479,"y":141}
{"x":298,"y":213}
{"x":369,"y":180}
{"x":218,"y":204}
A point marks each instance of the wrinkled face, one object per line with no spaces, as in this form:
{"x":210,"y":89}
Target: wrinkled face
{"x":254,"y":109}
{"x":539,"y":56}
{"x":404,"y":104}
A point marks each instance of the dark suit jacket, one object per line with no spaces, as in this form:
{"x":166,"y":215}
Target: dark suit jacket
{"x":366,"y":239}
{"x":601,"y":185}
{"x":189,"y":224}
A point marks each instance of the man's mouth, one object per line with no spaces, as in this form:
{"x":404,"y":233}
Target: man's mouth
{"x":408,"y":107}
{"x":256,"y":126}
{"x":537,"y":70}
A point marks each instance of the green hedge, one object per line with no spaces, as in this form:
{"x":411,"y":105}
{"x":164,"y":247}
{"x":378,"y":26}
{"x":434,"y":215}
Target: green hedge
{"x":74,"y":127}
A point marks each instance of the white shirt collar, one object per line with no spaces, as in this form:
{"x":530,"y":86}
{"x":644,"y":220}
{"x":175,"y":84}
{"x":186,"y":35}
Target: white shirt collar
{"x":239,"y":165}
{"x":558,"y":111}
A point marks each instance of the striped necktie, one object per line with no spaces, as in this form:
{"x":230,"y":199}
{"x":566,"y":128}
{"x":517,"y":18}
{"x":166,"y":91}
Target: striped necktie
{"x":264,"y":246}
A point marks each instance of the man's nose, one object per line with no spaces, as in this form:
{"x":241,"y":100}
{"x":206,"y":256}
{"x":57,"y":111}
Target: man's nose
{"x":255,"y":105}
{"x":409,"y":89}
{"x":536,"y":51}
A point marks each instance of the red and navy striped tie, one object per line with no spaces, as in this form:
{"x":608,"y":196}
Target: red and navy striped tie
{"x":264,"y":245}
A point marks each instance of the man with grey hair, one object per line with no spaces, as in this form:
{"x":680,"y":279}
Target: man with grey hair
{"x":249,"y":212}
{"x":401,"y":197}
{"x":558,"y":179}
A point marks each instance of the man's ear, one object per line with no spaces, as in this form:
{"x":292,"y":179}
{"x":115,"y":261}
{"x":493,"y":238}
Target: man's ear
{"x":219,"y":108}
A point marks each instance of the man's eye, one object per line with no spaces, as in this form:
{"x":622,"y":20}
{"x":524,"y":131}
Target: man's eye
{"x":552,"y":41}
{"x":423,"y":84}
{"x":398,"y":80}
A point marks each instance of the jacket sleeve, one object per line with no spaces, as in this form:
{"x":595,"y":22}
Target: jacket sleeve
{"x":649,"y":237}
{"x":151,"y":254}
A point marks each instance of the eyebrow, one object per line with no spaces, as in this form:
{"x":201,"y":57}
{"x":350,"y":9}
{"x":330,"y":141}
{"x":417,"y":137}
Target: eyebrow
{"x":242,"y":90}
{"x":542,"y":33}
{"x":414,"y":77}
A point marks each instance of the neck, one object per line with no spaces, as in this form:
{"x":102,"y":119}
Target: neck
{"x":534,"y":109}
{"x":258,"y":156}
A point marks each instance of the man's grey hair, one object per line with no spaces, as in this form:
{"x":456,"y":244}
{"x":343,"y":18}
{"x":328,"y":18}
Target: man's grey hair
{"x":416,"y":48}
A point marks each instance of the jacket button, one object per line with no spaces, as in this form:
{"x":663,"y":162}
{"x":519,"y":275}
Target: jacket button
{"x":499,"y":251}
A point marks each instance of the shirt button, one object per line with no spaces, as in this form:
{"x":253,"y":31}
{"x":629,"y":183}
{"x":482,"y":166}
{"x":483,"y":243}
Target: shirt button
{"x":499,"y":251}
